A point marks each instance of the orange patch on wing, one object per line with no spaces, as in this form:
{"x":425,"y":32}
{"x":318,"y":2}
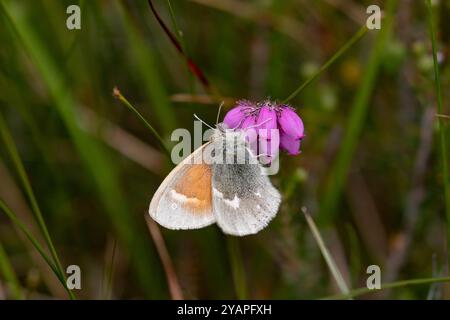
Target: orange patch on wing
{"x":195,"y":185}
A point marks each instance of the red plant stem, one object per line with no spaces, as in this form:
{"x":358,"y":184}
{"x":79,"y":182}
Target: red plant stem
{"x":193,"y":67}
{"x":172,"y":279}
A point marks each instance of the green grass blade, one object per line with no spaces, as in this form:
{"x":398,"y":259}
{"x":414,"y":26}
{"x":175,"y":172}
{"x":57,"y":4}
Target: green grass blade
{"x":178,"y":32}
{"x":237,"y":267}
{"x":326,"y":255}
{"x":355,"y":122}
{"x":9,"y":275}
{"x":93,"y":157}
{"x":441,"y":127}
{"x":361,"y":32}
{"x":118,"y":95}
{"x":392,"y":285}
{"x":14,"y":154}
{"x":16,"y":221}
{"x":108,"y":274}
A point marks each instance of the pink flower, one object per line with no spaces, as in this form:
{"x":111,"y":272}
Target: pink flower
{"x":248,"y":125}
{"x":263,"y":117}
{"x":235,"y":117}
{"x":290,"y":123}
{"x":289,"y":144}
{"x":269,"y":148}
{"x":267,"y":120}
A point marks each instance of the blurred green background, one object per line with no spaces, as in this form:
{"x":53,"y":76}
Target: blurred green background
{"x":370,"y":172}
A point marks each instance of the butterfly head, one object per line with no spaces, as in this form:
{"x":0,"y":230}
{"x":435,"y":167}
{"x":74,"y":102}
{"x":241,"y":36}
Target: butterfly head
{"x":223,"y":132}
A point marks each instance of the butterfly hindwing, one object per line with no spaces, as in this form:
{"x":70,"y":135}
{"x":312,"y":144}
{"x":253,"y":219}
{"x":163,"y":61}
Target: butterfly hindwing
{"x":244,"y":200}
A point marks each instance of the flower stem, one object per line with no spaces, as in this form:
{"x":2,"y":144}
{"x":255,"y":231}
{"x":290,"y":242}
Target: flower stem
{"x":355,"y":121}
{"x":361,"y":32}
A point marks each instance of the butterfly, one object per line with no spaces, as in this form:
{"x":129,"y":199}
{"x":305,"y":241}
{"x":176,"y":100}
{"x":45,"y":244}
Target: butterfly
{"x":236,"y":194}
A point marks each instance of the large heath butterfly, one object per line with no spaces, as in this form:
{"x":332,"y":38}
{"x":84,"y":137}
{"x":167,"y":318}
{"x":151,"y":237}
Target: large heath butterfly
{"x":236,"y":195}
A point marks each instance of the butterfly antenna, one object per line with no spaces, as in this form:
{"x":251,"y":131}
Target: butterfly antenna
{"x":202,"y":121}
{"x":218,"y":113}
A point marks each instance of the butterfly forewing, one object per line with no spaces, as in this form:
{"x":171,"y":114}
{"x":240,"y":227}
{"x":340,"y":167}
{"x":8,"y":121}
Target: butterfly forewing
{"x":183,"y":201}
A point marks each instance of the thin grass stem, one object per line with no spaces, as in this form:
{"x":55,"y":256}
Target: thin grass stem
{"x":237,"y":267}
{"x":392,"y":285}
{"x":172,"y":279}
{"x":15,"y":157}
{"x":441,"y":127}
{"x":180,"y":37}
{"x":355,"y":122}
{"x":326,"y":254}
{"x":118,"y":95}
{"x":361,"y":32}
{"x":16,"y":221}
{"x":109,"y":272}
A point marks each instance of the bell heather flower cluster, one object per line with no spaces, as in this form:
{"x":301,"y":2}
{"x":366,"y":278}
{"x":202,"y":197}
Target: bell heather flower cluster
{"x":263,"y":117}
